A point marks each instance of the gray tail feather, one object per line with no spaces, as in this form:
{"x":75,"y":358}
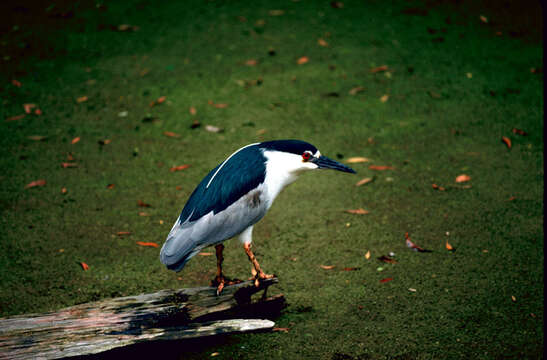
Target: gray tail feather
{"x":178,"y":248}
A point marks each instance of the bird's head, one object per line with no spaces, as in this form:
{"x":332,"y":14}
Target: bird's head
{"x":295,"y":156}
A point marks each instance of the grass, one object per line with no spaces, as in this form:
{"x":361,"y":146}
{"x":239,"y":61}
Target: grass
{"x":455,"y":88}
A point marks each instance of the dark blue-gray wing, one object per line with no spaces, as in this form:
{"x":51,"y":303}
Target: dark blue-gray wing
{"x":196,"y":226}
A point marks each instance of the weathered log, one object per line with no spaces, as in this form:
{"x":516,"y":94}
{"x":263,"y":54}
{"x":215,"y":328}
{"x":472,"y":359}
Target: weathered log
{"x":103,"y":325}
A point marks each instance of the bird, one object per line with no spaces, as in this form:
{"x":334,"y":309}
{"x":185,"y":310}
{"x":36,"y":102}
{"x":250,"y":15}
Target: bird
{"x":234,"y":196}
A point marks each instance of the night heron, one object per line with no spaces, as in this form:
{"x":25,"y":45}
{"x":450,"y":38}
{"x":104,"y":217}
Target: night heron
{"x":236,"y":195}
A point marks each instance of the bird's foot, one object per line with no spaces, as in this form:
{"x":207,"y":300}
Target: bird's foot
{"x":221,"y":281}
{"x":260,"y":276}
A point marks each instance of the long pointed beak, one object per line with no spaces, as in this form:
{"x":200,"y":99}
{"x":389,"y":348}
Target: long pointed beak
{"x":324,"y":162}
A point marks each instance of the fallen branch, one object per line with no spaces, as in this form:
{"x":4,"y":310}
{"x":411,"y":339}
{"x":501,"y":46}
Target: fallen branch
{"x":165,"y":315}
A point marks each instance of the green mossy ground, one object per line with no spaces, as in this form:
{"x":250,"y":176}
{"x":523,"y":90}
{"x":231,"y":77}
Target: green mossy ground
{"x":455,"y":88}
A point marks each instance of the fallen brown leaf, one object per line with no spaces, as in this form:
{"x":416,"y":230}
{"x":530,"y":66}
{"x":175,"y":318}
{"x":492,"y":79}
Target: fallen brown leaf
{"x":437,"y":187}
{"x":327,"y":267}
{"x":276,"y":12}
{"x":359,"y":211}
{"x":171,"y":134}
{"x":151,"y":244}
{"x":110,"y":186}
{"x":81,"y":99}
{"x":322,"y":42}
{"x":75,"y":140}
{"x":65,"y":165}
{"x":412,"y":245}
{"x":179,"y":168}
{"x":37,"y":137}
{"x":463,"y":178}
{"x":64,"y":191}
{"x":16,"y":83}
{"x":449,"y":247}
{"x":104,"y":142}
{"x":15,"y":118}
{"x":357,"y":159}
{"x":379,"y":69}
{"x":84,"y":266}
{"x":302,"y":60}
{"x":205,"y":254}
{"x":356,"y":90}
{"x":384,"y":98}
{"x":35,"y":183}
{"x":364,"y":181}
{"x":351,"y":268}
{"x":28,"y":108}
{"x":380,"y":167}
{"x":142,"y":213}
{"x":158,"y":101}
{"x":519,"y":132}
{"x":367,"y":255}
{"x":251,"y":62}
{"x":38,"y":112}
{"x":506,"y":141}
{"x":387,"y":259}
{"x":123,"y":233}
{"x":283,"y":329}
{"x":192,"y":110}
{"x":143,"y":204}
{"x":483,"y":19}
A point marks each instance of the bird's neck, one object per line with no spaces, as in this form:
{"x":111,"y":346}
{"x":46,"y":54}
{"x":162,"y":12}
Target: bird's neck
{"x":278,"y":175}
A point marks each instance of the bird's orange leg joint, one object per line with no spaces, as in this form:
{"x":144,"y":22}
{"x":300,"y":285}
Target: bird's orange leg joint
{"x":259,"y":273}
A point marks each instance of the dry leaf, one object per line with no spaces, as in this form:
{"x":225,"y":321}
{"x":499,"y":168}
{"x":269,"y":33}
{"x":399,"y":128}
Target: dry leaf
{"x":38,"y":112}
{"x":519,"y":132}
{"x":387,"y":259}
{"x":82,"y":99}
{"x":251,"y":62}
{"x":179,"y":168}
{"x":75,"y":140}
{"x":16,"y":83}
{"x":449,"y":247}
{"x":123,"y":233}
{"x":205,"y":254}
{"x":285,"y":330}
{"x":171,"y":134}
{"x":364,"y":181}
{"x":506,"y":141}
{"x":192,"y":110}
{"x":28,"y":108}
{"x":68,"y":165}
{"x":437,"y":187}
{"x":302,"y":60}
{"x":105,"y":142}
{"x":143,"y":204}
{"x":151,"y":244}
{"x":110,"y":186}
{"x":413,"y":246}
{"x":142,"y":213}
{"x":37,"y":137}
{"x":16,"y":117}
{"x":463,"y":178}
{"x":380,"y":167}
{"x":327,"y":267}
{"x":359,"y":211}
{"x":379,"y":69}
{"x":384,"y":98}
{"x":357,"y":159}
{"x":356,"y":90}
{"x":322,"y":42}
{"x":483,"y":19}
{"x":64,"y":191}
{"x":158,"y":101}
{"x":386,"y":280}
{"x":84,"y":266}
{"x":367,"y":255}
{"x":513,"y":298}
{"x":35,"y":183}
{"x":212,"y":129}
{"x":351,"y":268}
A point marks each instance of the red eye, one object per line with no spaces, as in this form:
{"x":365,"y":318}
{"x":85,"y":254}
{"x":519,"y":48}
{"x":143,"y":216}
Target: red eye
{"x":306,"y":156}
